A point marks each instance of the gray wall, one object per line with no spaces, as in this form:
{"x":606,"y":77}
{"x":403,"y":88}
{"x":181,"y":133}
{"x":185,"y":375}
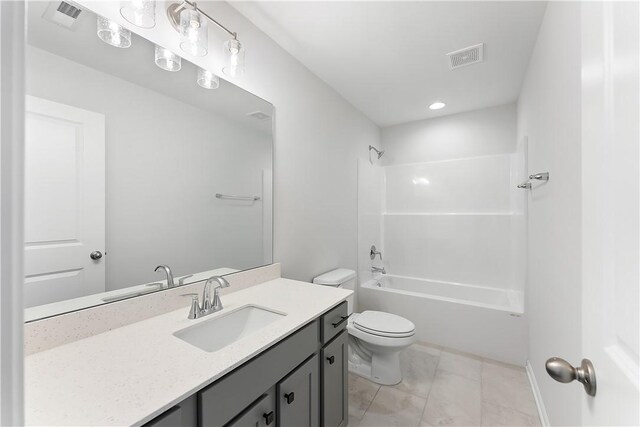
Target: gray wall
{"x":474,"y":133}
{"x":165,"y":161}
{"x":549,"y":115}
{"x":318,"y":138}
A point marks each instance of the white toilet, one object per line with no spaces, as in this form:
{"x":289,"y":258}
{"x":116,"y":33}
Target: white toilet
{"x":376,"y":338}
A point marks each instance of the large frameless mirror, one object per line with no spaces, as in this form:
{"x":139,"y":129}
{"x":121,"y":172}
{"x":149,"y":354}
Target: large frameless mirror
{"x":138,"y":178}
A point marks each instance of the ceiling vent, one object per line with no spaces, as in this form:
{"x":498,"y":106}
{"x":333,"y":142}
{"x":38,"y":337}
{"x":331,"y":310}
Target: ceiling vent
{"x":63,"y":13}
{"x":259,"y":115}
{"x":467,"y":56}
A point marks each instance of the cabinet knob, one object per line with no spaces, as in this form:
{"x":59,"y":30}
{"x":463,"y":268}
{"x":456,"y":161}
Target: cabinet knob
{"x":268,"y":418}
{"x":331,"y":359}
{"x":290,"y":397}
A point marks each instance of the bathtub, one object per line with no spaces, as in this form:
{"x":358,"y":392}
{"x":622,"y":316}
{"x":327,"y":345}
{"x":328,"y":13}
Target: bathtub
{"x":486,"y":321}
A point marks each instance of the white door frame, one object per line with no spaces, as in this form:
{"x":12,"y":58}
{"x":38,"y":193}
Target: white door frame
{"x":12,"y":91}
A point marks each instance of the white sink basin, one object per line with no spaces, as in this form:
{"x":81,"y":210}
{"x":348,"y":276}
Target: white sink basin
{"x":220,"y":331}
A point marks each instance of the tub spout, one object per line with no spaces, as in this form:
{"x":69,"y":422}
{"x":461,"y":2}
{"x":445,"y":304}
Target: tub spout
{"x":378,"y":270}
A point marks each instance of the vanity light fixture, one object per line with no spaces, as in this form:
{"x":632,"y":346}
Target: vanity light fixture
{"x":141,"y":13}
{"x":113,"y":33}
{"x":207,"y":79}
{"x":190,"y":21}
{"x":193,"y":31}
{"x":167,"y":60}
{"x":437,"y":105}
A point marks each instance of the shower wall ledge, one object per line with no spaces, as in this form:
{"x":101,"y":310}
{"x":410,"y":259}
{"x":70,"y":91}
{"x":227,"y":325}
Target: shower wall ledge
{"x":451,"y":213}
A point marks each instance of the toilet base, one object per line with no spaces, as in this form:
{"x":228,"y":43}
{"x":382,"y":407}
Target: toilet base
{"x":381,"y":368}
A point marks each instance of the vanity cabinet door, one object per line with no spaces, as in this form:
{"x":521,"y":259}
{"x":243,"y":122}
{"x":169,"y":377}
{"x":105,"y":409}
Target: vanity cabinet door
{"x":334,"y":372}
{"x":261,"y":413}
{"x":298,"y":396}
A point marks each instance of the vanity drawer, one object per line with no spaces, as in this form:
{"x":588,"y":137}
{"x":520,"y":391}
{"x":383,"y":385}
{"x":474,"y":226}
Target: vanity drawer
{"x":261,"y":413}
{"x":333,"y":322}
{"x":226,"y":398}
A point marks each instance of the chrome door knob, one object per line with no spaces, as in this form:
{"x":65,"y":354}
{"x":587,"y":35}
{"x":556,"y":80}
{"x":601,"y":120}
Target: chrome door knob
{"x":95,"y":255}
{"x":562,"y":371}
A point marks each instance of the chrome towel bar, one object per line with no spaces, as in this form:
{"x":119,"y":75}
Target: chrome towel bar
{"x":234,"y":197}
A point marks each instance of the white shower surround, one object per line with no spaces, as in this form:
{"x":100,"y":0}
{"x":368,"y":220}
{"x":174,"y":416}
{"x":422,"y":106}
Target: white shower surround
{"x":452,"y":235}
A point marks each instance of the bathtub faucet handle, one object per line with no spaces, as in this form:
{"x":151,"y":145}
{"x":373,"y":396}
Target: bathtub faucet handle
{"x":374,"y":252}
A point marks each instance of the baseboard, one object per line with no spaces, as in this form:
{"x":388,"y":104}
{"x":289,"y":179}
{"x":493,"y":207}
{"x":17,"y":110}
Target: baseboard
{"x":542,"y":412}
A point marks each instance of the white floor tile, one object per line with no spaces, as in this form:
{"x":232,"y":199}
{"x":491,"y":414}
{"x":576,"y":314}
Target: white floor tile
{"x":392,"y":408}
{"x":454,"y":400}
{"x":361,"y":394}
{"x":496,"y":415}
{"x":418,"y":364}
{"x":460,"y":364}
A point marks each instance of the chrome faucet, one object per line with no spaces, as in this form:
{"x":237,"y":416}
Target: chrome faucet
{"x":167,"y":271}
{"x":378,"y":270}
{"x":209,"y":305}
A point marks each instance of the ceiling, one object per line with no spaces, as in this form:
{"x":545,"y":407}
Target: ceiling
{"x":388,"y":58}
{"x":136,"y":65}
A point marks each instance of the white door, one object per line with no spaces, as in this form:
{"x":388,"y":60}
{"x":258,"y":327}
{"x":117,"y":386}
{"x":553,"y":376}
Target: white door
{"x":610,"y":134}
{"x":64,"y":202}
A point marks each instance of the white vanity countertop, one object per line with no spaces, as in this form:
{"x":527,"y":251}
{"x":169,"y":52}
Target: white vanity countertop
{"x":130,"y":375}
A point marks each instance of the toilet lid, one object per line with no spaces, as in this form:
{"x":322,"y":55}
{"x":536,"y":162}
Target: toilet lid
{"x":384,"y":324}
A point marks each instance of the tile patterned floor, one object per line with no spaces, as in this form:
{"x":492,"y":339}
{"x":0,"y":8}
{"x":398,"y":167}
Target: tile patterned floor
{"x":444,"y":387}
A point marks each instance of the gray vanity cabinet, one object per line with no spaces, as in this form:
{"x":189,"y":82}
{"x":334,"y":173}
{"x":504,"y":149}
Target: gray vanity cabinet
{"x":335,"y":401}
{"x":298,"y":400}
{"x":299,"y":382}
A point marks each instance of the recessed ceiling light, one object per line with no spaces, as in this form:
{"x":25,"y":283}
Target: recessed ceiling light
{"x":437,"y":105}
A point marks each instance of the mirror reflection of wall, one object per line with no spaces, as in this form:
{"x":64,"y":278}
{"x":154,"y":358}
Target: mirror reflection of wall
{"x":124,"y":161}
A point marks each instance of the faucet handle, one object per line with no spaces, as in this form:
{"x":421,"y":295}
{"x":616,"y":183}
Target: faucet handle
{"x":195,"y":310}
{"x":183,"y":278}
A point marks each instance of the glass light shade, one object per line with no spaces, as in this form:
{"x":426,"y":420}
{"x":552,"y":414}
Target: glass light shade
{"x":167,"y":60}
{"x":141,"y":13}
{"x":234,"y":58}
{"x":193,"y":32}
{"x":207,"y":79}
{"x":113,"y":34}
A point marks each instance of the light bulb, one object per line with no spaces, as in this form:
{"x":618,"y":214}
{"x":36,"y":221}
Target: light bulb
{"x":437,"y":105}
{"x":234,"y":58}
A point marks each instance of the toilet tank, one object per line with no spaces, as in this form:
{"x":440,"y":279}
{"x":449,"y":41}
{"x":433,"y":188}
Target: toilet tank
{"x":339,"y":278}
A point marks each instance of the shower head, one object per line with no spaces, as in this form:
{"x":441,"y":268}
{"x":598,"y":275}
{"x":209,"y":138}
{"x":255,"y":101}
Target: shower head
{"x":378,"y":152}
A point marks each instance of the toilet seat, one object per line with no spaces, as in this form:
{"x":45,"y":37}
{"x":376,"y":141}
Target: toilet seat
{"x":383,"y":324}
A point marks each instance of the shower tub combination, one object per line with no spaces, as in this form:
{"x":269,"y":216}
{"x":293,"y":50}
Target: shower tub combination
{"x":454,"y":248}
{"x":481,"y":320}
